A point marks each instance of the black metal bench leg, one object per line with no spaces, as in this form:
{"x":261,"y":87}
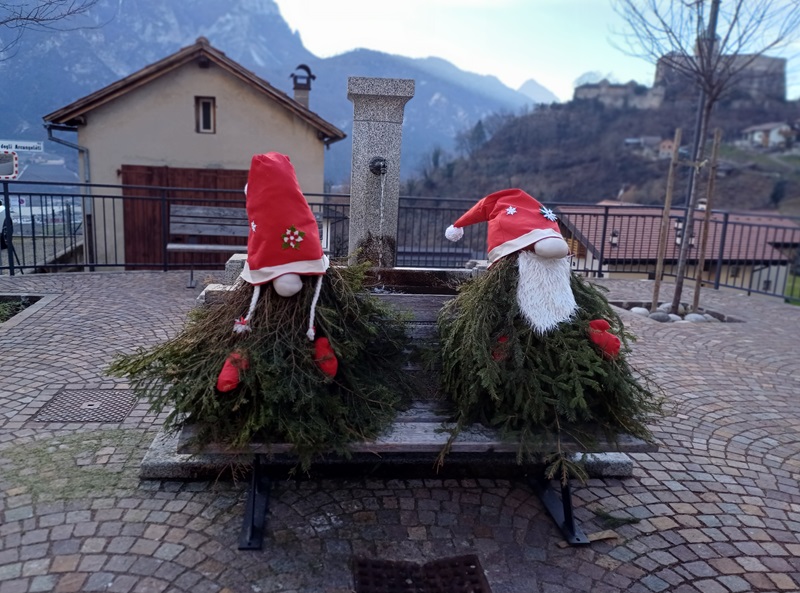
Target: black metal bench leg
{"x":255,"y":512}
{"x":560,"y":510}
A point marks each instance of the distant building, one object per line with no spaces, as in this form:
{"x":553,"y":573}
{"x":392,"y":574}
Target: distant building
{"x":631,"y":94}
{"x":758,"y":78}
{"x":769,"y":135}
{"x":646,"y":146}
{"x":761,"y":79}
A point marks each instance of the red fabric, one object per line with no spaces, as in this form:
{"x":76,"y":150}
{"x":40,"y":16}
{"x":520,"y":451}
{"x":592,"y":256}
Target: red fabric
{"x":504,"y":224}
{"x":608,"y":343}
{"x":283,"y":230}
{"x":500,"y":350}
{"x":229,"y":377}
{"x":325,"y":357}
{"x":600,"y":325}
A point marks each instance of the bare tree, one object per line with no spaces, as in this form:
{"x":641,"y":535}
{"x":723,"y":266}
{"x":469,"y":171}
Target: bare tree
{"x":18,"y":16}
{"x":714,"y":44}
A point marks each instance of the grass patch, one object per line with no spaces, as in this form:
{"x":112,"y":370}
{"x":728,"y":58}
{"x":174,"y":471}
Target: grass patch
{"x":10,"y":308}
{"x":792,"y":293}
{"x":791,"y":159}
{"x":76,"y":466}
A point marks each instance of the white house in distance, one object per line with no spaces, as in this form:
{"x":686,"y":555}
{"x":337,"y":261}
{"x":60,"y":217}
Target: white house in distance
{"x":768,"y":135}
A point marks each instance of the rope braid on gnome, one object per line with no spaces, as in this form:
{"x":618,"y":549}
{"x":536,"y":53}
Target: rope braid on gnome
{"x":315,"y":361}
{"x":533,"y":349}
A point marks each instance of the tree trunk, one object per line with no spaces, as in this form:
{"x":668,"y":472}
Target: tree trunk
{"x":688,"y":223}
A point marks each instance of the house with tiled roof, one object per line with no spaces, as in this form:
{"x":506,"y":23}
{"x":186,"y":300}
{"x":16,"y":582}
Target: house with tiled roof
{"x":769,"y":135}
{"x":752,"y":250}
{"x":193,"y":119}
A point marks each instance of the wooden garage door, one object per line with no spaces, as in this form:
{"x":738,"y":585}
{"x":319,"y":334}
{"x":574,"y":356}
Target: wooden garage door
{"x":149,"y":192}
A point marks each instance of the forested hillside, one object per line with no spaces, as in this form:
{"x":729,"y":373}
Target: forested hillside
{"x":577,"y":152}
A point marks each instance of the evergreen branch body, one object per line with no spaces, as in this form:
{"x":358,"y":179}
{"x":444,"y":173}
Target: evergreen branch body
{"x":538,"y":388}
{"x":283,"y":397}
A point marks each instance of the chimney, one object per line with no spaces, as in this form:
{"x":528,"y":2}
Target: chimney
{"x":302,"y":84}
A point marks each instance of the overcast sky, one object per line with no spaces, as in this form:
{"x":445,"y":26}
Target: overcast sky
{"x":552,"y":41}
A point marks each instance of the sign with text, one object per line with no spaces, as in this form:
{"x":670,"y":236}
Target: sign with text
{"x":9,"y":165}
{"x":22,"y":145}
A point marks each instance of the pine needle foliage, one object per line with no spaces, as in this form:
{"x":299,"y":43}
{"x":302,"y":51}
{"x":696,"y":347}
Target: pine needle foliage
{"x":283,"y":396}
{"x":540,"y":388}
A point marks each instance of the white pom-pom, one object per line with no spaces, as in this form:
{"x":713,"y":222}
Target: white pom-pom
{"x":454,"y":233}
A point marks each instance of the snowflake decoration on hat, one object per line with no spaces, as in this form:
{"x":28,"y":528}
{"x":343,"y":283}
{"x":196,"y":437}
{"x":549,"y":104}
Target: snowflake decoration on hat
{"x":548,"y":214}
{"x":292,"y":238}
{"x":253,"y":226}
{"x":510,"y":210}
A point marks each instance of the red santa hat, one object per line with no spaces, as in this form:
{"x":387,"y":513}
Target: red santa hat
{"x":516,"y":220}
{"x":284,"y":236}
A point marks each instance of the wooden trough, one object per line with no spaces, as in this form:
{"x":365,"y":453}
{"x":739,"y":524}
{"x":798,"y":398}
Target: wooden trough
{"x":418,"y":434}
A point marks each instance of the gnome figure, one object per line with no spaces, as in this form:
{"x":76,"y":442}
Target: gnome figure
{"x":312,"y":359}
{"x":528,"y":346}
{"x":283,"y":244}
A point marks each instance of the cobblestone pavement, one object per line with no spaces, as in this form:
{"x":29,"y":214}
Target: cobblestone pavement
{"x":717,"y":509}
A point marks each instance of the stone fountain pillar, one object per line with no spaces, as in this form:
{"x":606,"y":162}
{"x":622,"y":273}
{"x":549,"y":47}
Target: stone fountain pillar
{"x":378,"y":105}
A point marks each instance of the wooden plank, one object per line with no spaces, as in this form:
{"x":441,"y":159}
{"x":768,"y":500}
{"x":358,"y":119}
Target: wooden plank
{"x":209,"y":212}
{"x":424,"y":430}
{"x":424,"y":307}
{"x":207,"y":248}
{"x":211,"y":229}
{"x":422,"y":332}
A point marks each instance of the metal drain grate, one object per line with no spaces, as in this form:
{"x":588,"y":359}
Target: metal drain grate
{"x":87,"y":405}
{"x":462,"y":574}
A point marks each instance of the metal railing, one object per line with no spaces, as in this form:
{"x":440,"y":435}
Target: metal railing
{"x":52,"y":227}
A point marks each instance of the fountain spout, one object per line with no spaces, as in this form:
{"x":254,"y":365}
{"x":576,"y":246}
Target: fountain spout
{"x":377,"y":166}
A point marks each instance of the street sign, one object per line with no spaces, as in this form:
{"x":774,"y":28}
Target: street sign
{"x":22,"y":145}
{"x":9,"y":165}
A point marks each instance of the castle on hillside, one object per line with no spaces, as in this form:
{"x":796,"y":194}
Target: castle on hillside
{"x":630,"y":94}
{"x":762,"y":79}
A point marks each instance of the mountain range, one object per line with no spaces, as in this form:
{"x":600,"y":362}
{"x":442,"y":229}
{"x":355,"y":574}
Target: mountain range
{"x":49,"y":70}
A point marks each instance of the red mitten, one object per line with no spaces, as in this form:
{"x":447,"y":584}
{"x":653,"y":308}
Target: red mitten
{"x":228,"y":378}
{"x":600,"y":325}
{"x":500,"y":350}
{"x":325,"y":358}
{"x":608,"y":343}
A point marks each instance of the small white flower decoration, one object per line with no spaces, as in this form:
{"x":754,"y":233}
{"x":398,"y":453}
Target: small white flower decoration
{"x":548,"y":214}
{"x":511,"y":211}
{"x":253,"y":226}
{"x":292,"y":237}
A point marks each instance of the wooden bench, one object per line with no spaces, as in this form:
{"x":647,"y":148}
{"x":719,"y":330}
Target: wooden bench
{"x":417,"y":436}
{"x":197,"y":222}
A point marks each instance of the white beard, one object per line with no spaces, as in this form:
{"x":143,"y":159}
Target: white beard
{"x":544,"y":294}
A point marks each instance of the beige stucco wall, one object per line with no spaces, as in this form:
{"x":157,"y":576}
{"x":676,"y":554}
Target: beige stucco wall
{"x":154,"y":125}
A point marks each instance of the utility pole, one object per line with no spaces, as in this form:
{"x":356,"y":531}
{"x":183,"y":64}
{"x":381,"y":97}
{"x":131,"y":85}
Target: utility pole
{"x":706,"y":50}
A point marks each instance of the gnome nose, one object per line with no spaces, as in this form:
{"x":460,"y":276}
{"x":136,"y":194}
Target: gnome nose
{"x":551,"y":248}
{"x":287,"y":285}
